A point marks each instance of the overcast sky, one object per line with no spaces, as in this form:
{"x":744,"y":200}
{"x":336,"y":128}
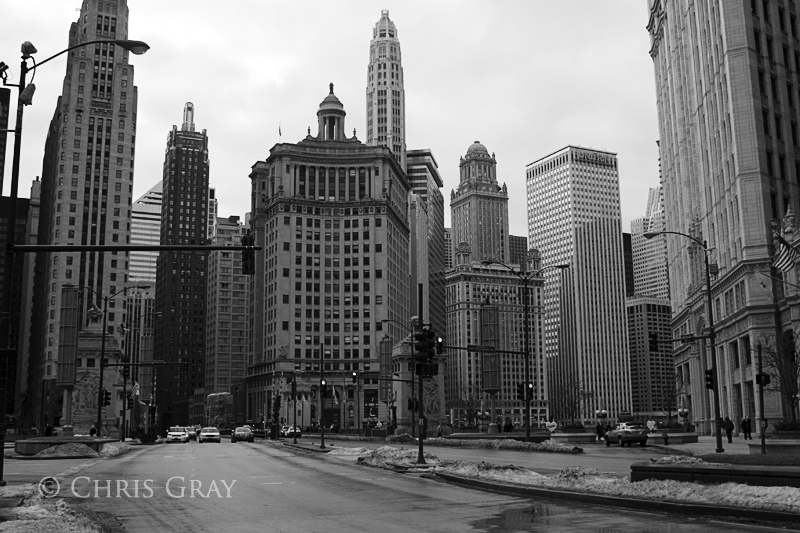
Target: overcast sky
{"x":523,"y":77}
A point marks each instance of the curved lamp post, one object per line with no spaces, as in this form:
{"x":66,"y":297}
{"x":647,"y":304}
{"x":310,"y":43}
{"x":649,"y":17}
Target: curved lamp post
{"x":711,"y":332}
{"x":526,"y":277}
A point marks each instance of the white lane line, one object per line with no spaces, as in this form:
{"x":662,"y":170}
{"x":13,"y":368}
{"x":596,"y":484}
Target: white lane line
{"x":275,"y":483}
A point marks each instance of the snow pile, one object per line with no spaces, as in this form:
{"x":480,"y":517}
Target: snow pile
{"x":113,"y":449}
{"x":589,"y":480}
{"x":405,"y":438}
{"x":388,"y":454}
{"x":40,"y":514}
{"x":71,"y":449}
{"x":506,"y":444}
{"x":18,"y":491}
{"x":678,"y":459}
{"x":350,"y":451}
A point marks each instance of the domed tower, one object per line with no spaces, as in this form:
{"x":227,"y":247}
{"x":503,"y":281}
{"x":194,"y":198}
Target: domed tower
{"x":330,"y":119}
{"x":479,"y":207}
{"x":386,"y":99}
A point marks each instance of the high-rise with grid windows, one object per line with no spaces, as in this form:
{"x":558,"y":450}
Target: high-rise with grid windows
{"x":574,"y":218}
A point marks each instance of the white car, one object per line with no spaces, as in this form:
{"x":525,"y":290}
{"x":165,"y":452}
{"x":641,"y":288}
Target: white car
{"x":177,"y":434}
{"x":209,"y":434}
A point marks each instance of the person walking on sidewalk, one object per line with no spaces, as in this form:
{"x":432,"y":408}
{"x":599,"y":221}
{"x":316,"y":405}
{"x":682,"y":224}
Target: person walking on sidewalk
{"x":746,"y":429}
{"x":728,"y":427}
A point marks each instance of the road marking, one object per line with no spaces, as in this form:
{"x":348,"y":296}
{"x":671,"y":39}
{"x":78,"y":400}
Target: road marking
{"x":276,"y":483}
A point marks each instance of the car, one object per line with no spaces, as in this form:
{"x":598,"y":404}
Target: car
{"x":191,"y":433}
{"x":627,"y":433}
{"x":209,"y":434}
{"x":243,"y":433}
{"x":177,"y":434}
{"x":291,"y":431}
{"x":284,"y":429}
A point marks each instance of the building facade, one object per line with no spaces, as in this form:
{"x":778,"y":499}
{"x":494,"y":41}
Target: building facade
{"x":574,"y":219}
{"x":740,"y":104}
{"x":654,"y":389}
{"x":332,"y":217}
{"x":386,"y":97}
{"x":650,"y":275}
{"x":182,"y":276}
{"x":87,"y":182}
{"x":479,"y":207}
{"x":146,"y":229}
{"x":518,"y":249}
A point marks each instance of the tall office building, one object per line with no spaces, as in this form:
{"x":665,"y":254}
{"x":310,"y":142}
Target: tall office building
{"x":146,"y":229}
{"x":653,"y":384}
{"x":650,"y":275}
{"x":332,"y":216}
{"x":181,"y":276}
{"x":742,"y":108}
{"x":228,"y":296}
{"x":426,"y":183}
{"x":574,"y":218}
{"x":386,"y":98}
{"x":518,"y":249}
{"x":479,"y":207}
{"x":87,"y":181}
{"x":448,"y":249}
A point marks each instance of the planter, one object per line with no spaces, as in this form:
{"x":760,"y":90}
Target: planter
{"x":795,"y":435}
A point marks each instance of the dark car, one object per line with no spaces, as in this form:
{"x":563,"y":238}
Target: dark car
{"x":243,"y":433}
{"x":625,"y":433}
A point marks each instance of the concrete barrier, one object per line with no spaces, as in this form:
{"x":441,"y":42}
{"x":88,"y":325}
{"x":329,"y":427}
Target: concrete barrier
{"x":775,"y":446}
{"x":765,"y":476}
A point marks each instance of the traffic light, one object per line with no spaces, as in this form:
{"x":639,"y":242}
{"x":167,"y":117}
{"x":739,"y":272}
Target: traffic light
{"x":710,"y":379}
{"x":323,"y":387}
{"x":294,"y":389}
{"x":412,"y":404}
{"x":653,"y":341}
{"x":439,"y":346}
{"x":762,"y":379}
{"x":529,"y":391}
{"x":128,"y":401}
{"x":248,"y":256}
{"x":106,"y":398}
{"x":126,"y":372}
{"x":421,"y":343}
{"x":521,"y":391}
{"x":355,"y":378}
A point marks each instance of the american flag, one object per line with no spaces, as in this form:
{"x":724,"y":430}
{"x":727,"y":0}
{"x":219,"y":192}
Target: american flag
{"x":135,"y":391}
{"x":785,"y":258}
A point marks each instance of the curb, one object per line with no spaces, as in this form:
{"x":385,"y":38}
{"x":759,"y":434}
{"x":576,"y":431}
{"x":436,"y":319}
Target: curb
{"x":306,"y":447}
{"x":35,"y":458}
{"x":627,"y":503}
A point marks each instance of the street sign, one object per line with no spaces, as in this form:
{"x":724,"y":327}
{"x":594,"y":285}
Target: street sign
{"x":479,"y":348}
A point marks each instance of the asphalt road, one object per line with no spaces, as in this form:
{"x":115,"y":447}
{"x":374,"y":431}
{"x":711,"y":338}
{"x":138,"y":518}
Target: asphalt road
{"x":267,"y":487}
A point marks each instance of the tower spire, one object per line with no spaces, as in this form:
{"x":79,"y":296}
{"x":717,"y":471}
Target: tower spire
{"x":188,"y":117}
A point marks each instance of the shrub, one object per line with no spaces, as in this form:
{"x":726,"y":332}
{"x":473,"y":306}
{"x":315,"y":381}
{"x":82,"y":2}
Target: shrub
{"x":786,"y":425}
{"x":572,"y":426}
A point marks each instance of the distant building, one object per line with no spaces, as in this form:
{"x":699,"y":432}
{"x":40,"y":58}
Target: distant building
{"x":650,"y":255}
{"x":448,"y":247}
{"x":518,"y":247}
{"x":181,"y":276}
{"x":574,"y":219}
{"x":627,"y":251}
{"x":653,"y":385}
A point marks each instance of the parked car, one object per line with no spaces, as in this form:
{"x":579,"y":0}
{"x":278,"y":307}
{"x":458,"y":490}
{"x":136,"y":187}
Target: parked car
{"x":290,"y":431}
{"x":243,"y":433}
{"x":177,"y":434}
{"x":626,"y":433}
{"x":209,"y":434}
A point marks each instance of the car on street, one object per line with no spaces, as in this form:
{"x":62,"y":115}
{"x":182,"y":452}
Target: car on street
{"x":627,"y":433}
{"x":289,"y":431}
{"x":191,"y":433}
{"x":209,"y":434}
{"x":243,"y":433}
{"x":177,"y":434}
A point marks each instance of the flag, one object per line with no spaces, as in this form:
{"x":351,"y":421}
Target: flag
{"x":785,"y":258}
{"x":135,"y":391}
{"x":279,"y":129}
{"x":335,"y":398}
{"x":305,"y":399}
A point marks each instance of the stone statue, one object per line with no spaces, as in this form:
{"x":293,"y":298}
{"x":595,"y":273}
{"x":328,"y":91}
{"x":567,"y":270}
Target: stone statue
{"x":94,"y":314}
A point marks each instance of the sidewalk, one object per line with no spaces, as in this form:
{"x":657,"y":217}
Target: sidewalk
{"x":708,"y":444}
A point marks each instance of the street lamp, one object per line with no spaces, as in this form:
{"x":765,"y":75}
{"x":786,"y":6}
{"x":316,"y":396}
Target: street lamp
{"x":711,"y":332}
{"x":526,"y":277}
{"x":103,"y":346}
{"x":410,"y":330}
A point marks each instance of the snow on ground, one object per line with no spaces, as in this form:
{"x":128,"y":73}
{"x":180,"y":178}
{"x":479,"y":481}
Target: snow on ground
{"x":38,"y":514}
{"x":113,"y":449}
{"x":71,"y":449}
{"x":350,"y":451}
{"x":590,"y":480}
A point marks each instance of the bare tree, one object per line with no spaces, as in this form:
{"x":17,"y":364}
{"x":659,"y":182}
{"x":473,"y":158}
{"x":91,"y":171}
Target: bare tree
{"x":468,"y":400}
{"x":568,"y":399}
{"x":667,"y":394}
{"x":781,"y":361}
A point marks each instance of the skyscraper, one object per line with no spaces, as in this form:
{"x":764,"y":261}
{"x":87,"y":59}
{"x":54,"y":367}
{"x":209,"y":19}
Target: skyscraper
{"x":650,"y":255}
{"x":87,"y":180}
{"x":479,"y":207}
{"x":181,"y":276}
{"x":386,"y":98}
{"x":730,"y":165}
{"x":574,"y":218}
{"x":332,"y":216}
{"x":146,"y":229}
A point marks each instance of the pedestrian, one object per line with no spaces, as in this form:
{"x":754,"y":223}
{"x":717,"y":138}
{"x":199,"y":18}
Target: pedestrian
{"x":439,"y":431}
{"x":600,"y":432}
{"x":92,"y":431}
{"x":48,"y":430}
{"x":728,"y":427}
{"x":140,"y":430}
{"x":746,"y":429}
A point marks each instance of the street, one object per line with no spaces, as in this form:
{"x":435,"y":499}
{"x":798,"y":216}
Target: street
{"x":264,"y":486}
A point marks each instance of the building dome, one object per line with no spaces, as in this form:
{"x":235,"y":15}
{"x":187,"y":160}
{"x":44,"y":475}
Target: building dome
{"x":331,"y":101}
{"x":477,"y":148}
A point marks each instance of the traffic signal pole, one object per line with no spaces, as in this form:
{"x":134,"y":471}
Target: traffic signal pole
{"x":420,"y":453}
